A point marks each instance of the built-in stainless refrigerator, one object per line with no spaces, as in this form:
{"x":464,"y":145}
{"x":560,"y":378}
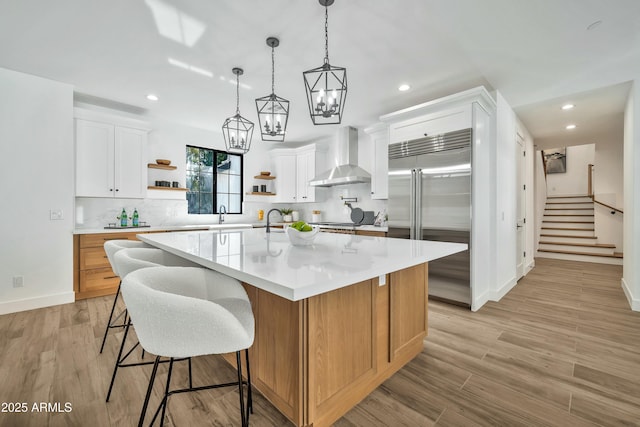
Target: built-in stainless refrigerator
{"x":430,"y":199}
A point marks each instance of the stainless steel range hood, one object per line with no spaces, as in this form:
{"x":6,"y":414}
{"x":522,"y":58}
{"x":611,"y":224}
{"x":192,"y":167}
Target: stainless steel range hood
{"x":348,"y":171}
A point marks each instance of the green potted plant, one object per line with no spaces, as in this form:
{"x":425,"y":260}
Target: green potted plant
{"x":286,"y":215}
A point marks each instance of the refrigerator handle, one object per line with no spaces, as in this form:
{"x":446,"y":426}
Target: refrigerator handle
{"x":412,"y":206}
{"x":418,"y":205}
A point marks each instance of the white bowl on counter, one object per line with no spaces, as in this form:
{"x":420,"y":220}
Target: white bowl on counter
{"x":302,"y":238}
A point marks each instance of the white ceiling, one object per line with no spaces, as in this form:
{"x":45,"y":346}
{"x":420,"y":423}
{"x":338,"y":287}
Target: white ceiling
{"x":538,"y":54}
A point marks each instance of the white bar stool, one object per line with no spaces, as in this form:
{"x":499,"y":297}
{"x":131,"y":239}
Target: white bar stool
{"x":111,"y":247}
{"x":188,"y":312}
{"x":129,"y":260}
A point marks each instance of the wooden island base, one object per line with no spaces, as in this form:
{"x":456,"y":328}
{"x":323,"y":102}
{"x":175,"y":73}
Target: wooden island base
{"x":317,"y":358}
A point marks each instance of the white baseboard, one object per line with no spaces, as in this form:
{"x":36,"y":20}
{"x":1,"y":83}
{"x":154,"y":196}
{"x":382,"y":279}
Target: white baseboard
{"x":634,"y":303}
{"x":478,"y":302}
{"x":481,"y":300}
{"x":530,"y":267}
{"x":504,"y":289}
{"x":36,"y":302}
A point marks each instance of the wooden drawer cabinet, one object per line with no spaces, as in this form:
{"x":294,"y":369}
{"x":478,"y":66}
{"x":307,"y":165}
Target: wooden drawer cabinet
{"x":91,"y":258}
{"x":99,"y":279}
{"x":371,"y":233}
{"x":92,"y":274}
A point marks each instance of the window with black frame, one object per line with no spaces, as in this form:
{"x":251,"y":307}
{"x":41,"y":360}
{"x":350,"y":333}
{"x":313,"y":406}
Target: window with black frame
{"x":214,"y":179}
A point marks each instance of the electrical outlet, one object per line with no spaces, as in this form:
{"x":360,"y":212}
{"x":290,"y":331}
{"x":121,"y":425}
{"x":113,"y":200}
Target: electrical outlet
{"x":56,"y":214}
{"x":18,"y":281}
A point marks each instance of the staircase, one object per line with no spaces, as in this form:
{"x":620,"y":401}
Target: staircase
{"x":568,"y":232}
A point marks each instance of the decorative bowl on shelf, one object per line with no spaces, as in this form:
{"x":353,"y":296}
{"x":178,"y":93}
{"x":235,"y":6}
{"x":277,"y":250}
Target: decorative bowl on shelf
{"x":265,"y":173}
{"x":163,"y":162}
{"x":302,"y":238}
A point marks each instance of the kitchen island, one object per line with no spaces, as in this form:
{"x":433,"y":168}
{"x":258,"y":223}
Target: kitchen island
{"x":333,"y":320}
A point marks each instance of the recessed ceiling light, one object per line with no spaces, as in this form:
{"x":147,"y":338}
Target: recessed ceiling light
{"x":404,"y":87}
{"x":152,"y":97}
{"x":570,"y":127}
{"x":567,"y":106}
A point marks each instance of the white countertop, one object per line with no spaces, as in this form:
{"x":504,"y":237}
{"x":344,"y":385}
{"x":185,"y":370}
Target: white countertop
{"x":270,"y":262}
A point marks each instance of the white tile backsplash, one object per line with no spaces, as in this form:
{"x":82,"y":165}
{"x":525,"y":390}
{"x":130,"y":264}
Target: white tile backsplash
{"x":93,"y":212}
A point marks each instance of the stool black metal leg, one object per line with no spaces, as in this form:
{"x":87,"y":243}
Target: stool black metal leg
{"x":115,"y":368}
{"x":113,"y":307}
{"x":190,"y":379}
{"x":240,"y":389}
{"x":163,"y":403}
{"x":249,"y":397}
{"x":149,"y":389}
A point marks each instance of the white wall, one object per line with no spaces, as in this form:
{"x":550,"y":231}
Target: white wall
{"x":506,"y":198}
{"x":484,"y":247}
{"x":36,"y":146}
{"x":608,"y":186}
{"x":574,"y":181}
{"x":540,"y":195}
{"x":631,"y":261}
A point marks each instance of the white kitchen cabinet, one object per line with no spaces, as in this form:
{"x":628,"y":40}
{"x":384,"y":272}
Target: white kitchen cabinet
{"x":110,"y":160}
{"x":378,"y":160}
{"x":285,"y":170}
{"x":430,"y":124}
{"x":295,"y":167}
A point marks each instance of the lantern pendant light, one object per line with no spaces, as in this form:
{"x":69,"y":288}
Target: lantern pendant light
{"x":236,"y":130}
{"x":326,"y":86}
{"x":273,"y":111}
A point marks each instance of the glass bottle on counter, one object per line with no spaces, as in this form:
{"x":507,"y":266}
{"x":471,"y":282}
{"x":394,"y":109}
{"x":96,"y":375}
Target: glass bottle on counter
{"x":123,"y":218}
{"x":135,"y":218}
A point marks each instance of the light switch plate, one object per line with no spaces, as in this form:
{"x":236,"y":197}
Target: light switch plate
{"x":56,"y":214}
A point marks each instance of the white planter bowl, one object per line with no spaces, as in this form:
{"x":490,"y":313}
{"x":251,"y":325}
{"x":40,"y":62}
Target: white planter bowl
{"x":302,"y":238}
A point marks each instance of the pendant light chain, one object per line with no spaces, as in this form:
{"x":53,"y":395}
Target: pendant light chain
{"x":326,"y":34}
{"x":238,"y":94}
{"x":273,"y":70}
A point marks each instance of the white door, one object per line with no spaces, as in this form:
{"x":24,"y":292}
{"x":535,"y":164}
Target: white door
{"x":521,"y":223}
{"x":94,"y":159}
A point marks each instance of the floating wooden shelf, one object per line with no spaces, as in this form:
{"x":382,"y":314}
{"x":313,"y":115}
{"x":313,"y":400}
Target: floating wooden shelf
{"x":257,"y":193}
{"x":165,"y":167}
{"x":264,"y":177}
{"x":153,"y":187}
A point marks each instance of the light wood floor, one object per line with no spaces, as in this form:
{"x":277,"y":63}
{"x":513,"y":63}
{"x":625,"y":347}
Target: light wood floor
{"x":562,"y":349}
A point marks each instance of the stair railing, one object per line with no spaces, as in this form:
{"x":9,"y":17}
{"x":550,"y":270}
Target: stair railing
{"x":590,"y":171}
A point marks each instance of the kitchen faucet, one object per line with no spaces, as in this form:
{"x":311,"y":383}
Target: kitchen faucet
{"x":269,"y":214}
{"x":220,"y":213}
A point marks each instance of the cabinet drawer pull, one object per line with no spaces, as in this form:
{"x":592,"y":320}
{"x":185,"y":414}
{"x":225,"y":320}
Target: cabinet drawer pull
{"x":109,"y":277}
